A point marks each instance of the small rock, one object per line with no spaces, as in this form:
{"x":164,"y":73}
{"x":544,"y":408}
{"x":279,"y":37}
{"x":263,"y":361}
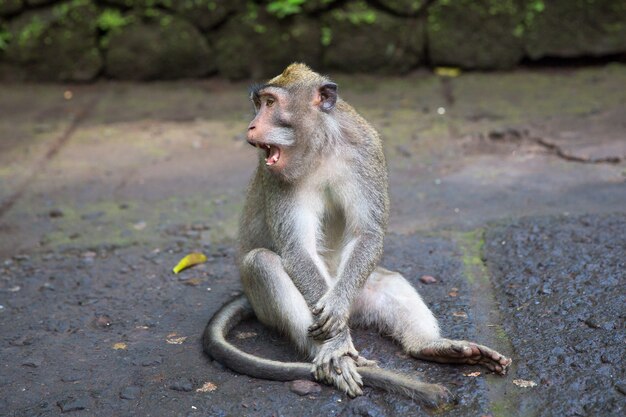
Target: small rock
{"x":304,"y":387}
{"x":33,"y":362}
{"x":428,"y":279}
{"x":593,"y":323}
{"x":55,"y":213}
{"x":130,"y":393}
{"x":182,"y":384}
{"x":103,"y":321}
{"x":73,"y":404}
{"x":73,"y":376}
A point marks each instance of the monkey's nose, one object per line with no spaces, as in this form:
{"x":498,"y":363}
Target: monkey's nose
{"x":251,"y":131}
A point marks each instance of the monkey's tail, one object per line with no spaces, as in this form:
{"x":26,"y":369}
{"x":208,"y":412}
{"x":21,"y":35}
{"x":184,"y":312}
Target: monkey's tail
{"x":216,"y":346}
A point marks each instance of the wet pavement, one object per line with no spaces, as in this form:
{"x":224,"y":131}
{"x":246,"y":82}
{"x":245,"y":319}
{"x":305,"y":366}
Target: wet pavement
{"x":513,"y":198}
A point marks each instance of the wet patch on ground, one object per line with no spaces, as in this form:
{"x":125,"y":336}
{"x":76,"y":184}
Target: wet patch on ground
{"x":561,"y":285}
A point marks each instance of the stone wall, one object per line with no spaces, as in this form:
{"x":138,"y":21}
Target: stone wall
{"x":81,"y":40}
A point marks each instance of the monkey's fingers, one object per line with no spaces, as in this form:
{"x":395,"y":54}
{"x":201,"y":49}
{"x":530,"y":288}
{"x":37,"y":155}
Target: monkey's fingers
{"x":317,"y":310}
{"x":316,"y":329}
{"x":331,"y":328}
{"x":351,"y":377}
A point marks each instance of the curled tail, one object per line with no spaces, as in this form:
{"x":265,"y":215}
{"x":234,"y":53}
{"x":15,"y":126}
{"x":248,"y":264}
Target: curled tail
{"x":215,"y":345}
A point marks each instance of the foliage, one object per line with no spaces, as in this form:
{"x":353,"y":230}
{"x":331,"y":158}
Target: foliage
{"x":533,"y":8}
{"x":5,"y":38}
{"x":112,"y":19}
{"x":283,"y":8}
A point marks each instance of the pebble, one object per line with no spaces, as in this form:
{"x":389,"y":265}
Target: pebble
{"x":182,"y":384}
{"x":73,"y":376}
{"x":73,"y":404}
{"x":130,"y":393}
{"x":304,"y":387}
{"x":55,"y":213}
{"x":33,"y":362}
{"x":428,"y":279}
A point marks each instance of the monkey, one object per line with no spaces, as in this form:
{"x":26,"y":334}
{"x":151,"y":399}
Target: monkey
{"x":310,"y":240}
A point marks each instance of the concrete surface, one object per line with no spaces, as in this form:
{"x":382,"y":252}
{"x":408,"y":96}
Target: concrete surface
{"x":104,"y":187}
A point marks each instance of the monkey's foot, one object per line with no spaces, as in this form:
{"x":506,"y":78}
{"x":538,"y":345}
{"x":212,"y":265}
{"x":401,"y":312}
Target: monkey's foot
{"x":336,"y":364}
{"x":462,"y":351}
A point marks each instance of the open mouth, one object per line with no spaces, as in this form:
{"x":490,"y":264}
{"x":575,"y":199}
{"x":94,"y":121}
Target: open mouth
{"x":272,"y":153}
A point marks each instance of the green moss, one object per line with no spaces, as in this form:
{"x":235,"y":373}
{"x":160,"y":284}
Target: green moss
{"x":471,"y":244}
{"x":5,"y":37}
{"x":32,"y":30}
{"x":112,"y":19}
{"x":119,"y":226}
{"x":327,"y":36}
{"x":284,"y":8}
{"x":358,"y":13}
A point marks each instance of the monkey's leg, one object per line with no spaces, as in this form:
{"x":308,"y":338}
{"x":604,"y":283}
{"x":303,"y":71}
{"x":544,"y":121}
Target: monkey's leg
{"x":276,"y":301}
{"x":389,"y":302}
{"x":278,"y":304}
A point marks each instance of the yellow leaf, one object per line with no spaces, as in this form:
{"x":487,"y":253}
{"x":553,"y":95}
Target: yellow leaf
{"x":119,"y":346}
{"x":447,"y":72}
{"x":189,"y":260}
{"x":207,"y":387}
{"x":176,"y":340}
{"x":524,"y":383}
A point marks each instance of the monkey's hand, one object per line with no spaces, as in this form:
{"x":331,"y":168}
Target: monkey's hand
{"x":331,"y":317}
{"x":336,"y":364}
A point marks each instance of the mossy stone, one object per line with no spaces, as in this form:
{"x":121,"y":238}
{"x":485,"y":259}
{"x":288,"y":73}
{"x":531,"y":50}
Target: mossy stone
{"x":47,"y":45}
{"x":475,"y":34}
{"x":567,"y":28}
{"x":362,"y":39}
{"x":163,"y":47}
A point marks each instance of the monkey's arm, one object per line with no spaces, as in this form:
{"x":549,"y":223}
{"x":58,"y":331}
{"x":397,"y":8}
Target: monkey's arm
{"x":306,"y":274}
{"x":333,"y":308}
{"x":297,"y":237}
{"x":366,"y":212}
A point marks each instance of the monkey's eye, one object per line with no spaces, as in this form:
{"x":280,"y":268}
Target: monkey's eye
{"x":269,"y":102}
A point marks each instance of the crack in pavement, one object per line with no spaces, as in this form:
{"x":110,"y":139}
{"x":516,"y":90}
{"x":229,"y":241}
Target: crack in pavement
{"x":512,"y":135}
{"x":54,"y":149}
{"x":558,"y":151}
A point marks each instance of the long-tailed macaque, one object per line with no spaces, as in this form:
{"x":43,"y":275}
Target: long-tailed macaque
{"x":311,"y":237}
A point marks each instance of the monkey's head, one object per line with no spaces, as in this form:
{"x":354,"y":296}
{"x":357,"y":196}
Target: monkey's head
{"x":294,"y":120}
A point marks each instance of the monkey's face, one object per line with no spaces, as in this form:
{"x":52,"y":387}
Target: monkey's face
{"x":271,"y":129}
{"x":286,"y":126}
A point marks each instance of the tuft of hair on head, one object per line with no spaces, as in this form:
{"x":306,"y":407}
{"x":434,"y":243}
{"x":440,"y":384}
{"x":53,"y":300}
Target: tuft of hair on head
{"x":297,"y":74}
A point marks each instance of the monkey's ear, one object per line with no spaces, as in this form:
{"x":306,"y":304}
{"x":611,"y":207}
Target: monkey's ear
{"x":327,"y":96}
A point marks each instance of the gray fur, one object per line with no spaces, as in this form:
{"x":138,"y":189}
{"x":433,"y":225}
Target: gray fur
{"x":310,"y":239}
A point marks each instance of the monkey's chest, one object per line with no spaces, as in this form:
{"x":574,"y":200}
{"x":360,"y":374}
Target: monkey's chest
{"x":331,"y":234}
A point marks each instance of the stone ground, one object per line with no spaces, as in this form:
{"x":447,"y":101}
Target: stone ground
{"x":508,"y":188}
